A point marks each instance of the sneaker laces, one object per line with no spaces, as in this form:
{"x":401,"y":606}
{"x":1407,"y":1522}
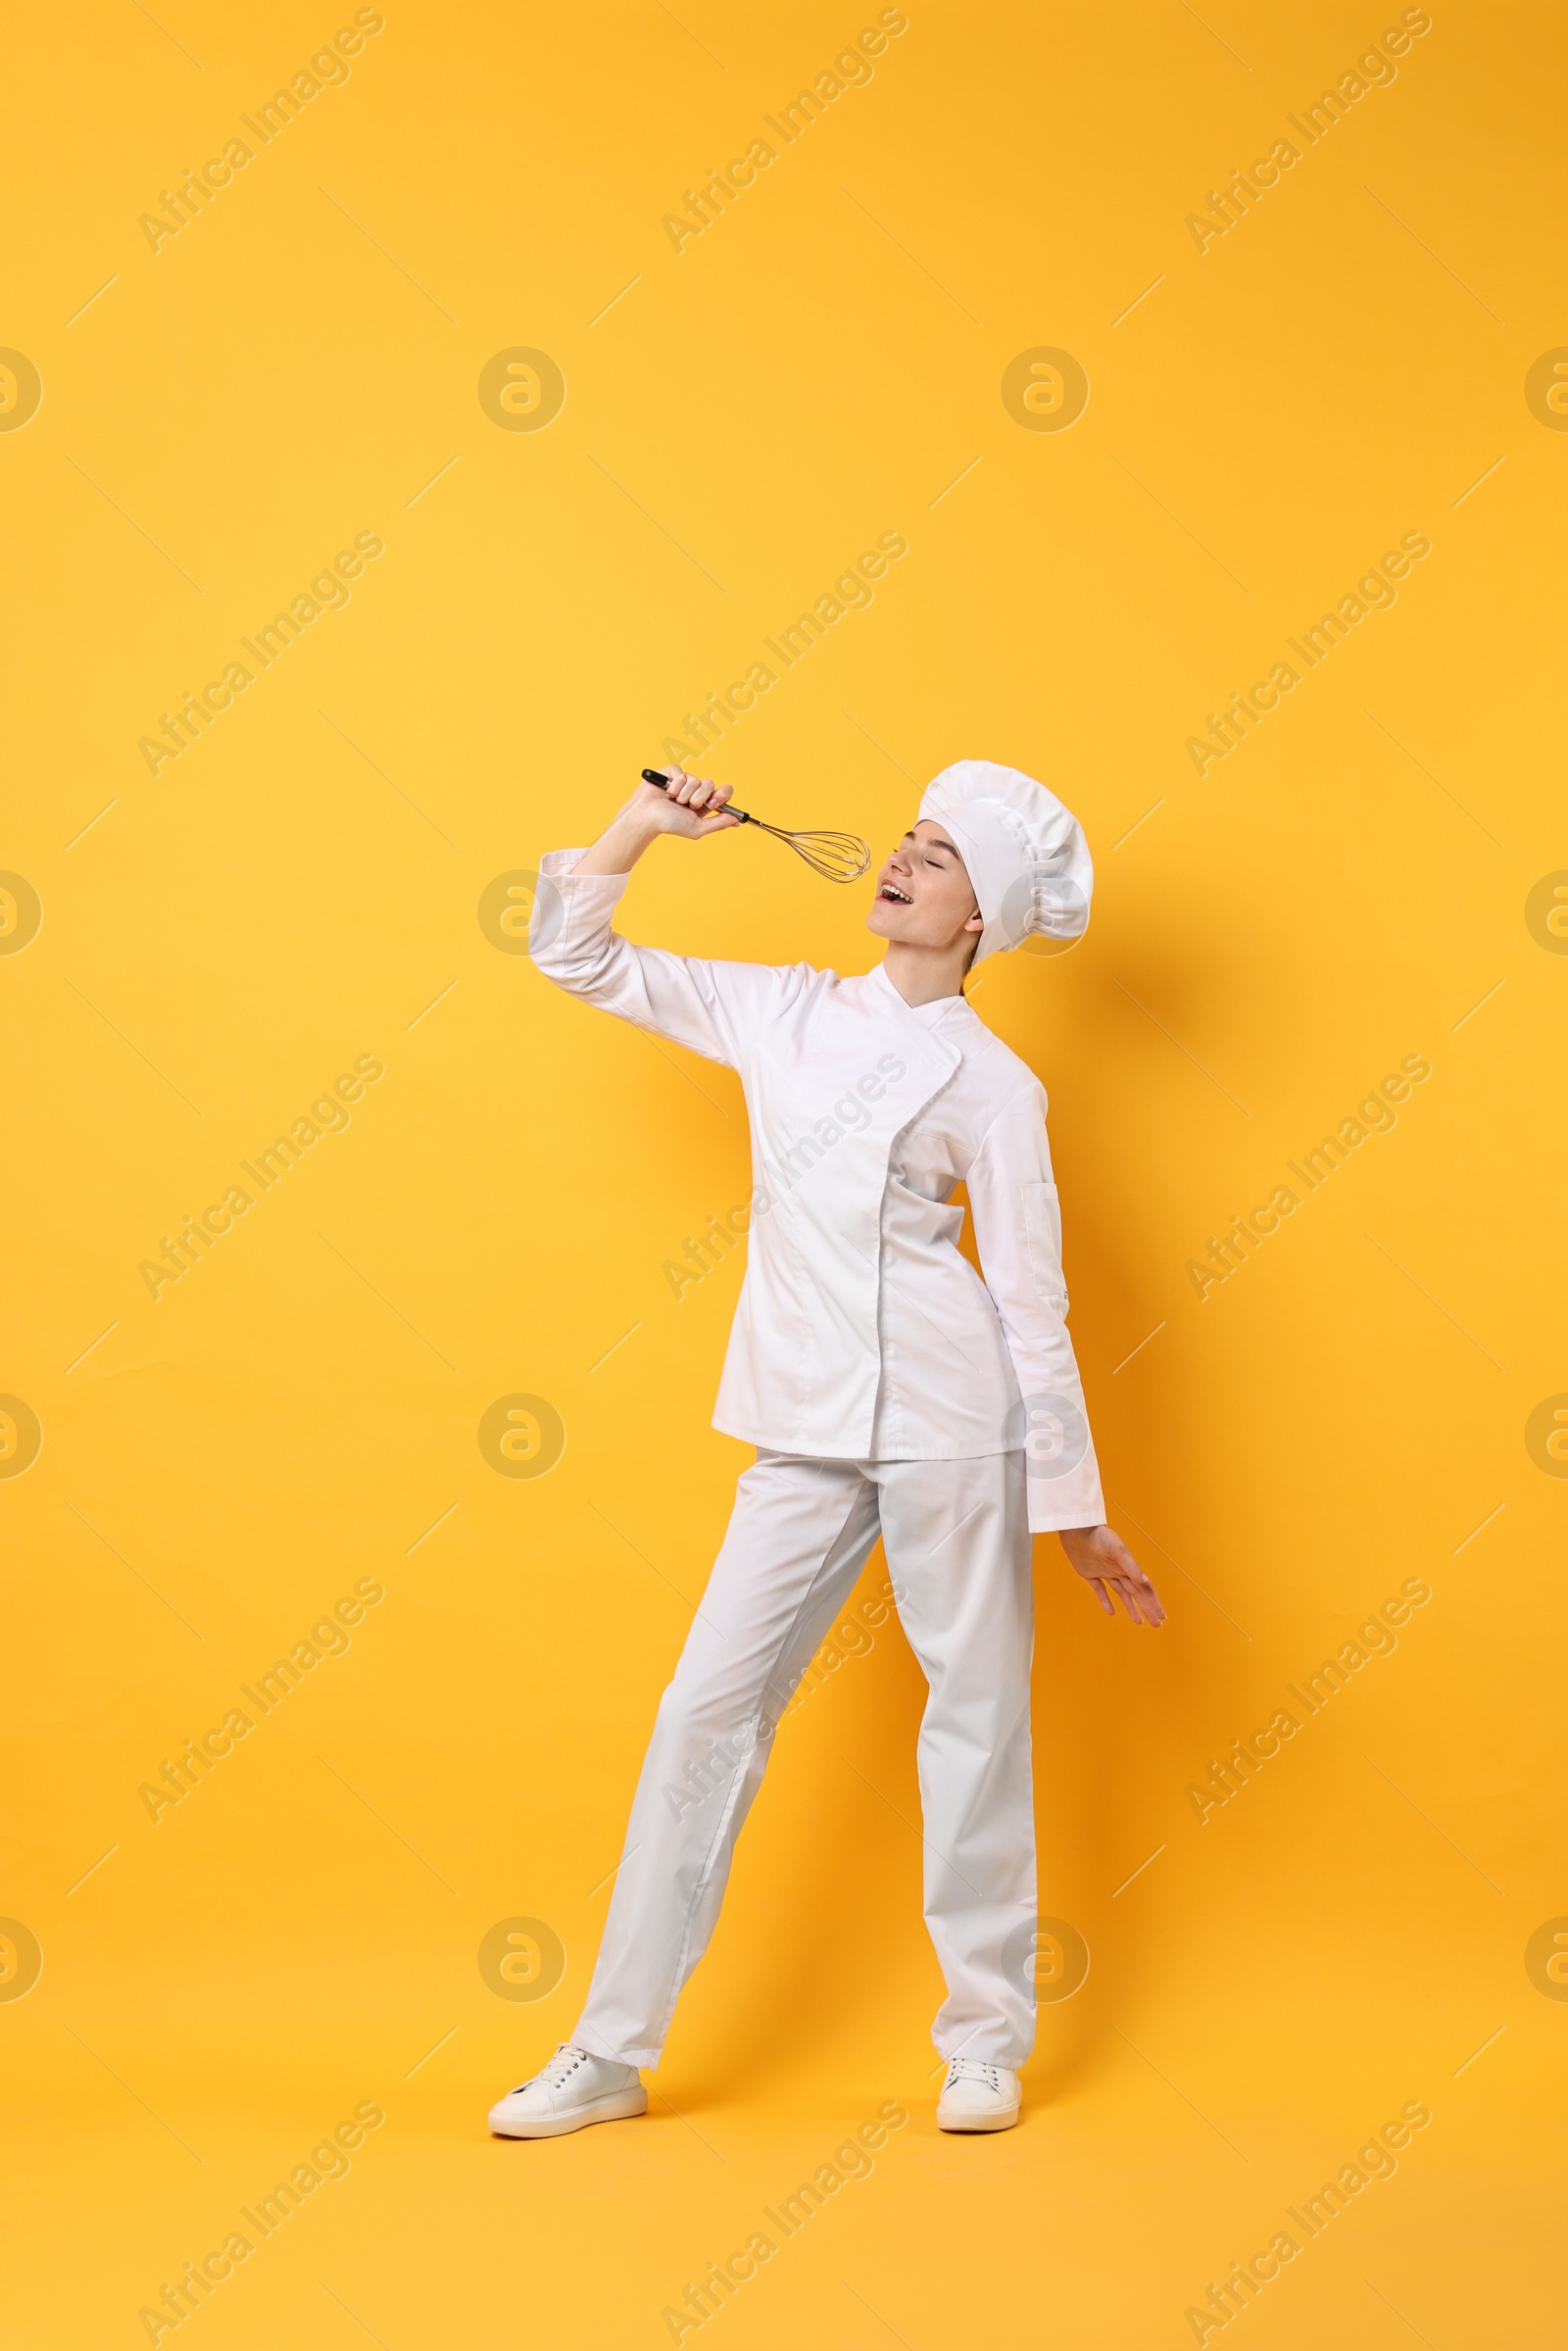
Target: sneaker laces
{"x":566,"y":2061}
{"x":971,"y":2069}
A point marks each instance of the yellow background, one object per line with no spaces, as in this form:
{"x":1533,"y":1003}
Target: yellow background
{"x":298,"y":888}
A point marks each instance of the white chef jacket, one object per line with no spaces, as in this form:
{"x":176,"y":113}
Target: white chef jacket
{"x":862,"y":1330}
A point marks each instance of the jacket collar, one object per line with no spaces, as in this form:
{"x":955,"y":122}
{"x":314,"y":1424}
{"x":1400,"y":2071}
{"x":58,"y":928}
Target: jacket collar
{"x":932,"y":1050}
{"x":878,"y":980}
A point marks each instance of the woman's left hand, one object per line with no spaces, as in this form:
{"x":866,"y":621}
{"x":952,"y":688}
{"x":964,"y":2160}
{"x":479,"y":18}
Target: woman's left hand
{"x":1104,"y":1560}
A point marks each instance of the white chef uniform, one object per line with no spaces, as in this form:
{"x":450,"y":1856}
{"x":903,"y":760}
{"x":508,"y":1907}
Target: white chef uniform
{"x":887,"y":1389}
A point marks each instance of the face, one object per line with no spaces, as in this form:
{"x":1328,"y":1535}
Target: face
{"x":923,"y":896}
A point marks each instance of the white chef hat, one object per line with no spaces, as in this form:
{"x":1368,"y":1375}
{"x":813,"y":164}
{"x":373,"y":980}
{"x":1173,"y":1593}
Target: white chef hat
{"x":1025,"y":854}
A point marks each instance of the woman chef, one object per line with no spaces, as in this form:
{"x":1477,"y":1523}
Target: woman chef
{"x":887,"y":1392}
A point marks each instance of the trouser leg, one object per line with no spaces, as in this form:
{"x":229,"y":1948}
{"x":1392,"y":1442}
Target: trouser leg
{"x":960,"y":1557}
{"x":798,"y":1536}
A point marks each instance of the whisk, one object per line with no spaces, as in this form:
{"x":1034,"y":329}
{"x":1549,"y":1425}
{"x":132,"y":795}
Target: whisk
{"x":836,"y":857}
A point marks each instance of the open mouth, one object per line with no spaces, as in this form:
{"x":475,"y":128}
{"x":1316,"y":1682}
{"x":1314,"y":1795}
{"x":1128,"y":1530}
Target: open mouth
{"x":893,"y":897}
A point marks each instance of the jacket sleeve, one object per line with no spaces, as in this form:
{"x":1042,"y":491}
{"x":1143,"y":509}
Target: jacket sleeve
{"x":1017,"y":1227}
{"x":711,"y":1008}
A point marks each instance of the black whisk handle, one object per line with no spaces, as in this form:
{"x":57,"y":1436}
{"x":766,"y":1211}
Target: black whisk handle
{"x":835,"y":856}
{"x":651,"y":775}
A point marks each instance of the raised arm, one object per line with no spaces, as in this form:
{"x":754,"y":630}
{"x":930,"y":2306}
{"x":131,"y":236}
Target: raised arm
{"x":688,"y":805}
{"x":710,"y":1007}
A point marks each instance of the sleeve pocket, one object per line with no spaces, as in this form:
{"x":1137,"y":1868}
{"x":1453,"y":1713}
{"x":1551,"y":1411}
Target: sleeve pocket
{"x":1042,"y":1219}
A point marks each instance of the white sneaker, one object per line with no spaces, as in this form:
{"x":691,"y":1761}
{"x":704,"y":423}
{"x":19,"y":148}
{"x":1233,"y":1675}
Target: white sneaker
{"x":573,"y":2090}
{"x":978,"y":2097}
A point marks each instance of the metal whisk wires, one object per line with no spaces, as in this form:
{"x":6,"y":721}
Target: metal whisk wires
{"x":836,"y":857}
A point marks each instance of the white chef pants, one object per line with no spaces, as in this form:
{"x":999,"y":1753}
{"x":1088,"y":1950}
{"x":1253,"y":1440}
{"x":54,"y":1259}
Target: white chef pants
{"x":960,"y":1556}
